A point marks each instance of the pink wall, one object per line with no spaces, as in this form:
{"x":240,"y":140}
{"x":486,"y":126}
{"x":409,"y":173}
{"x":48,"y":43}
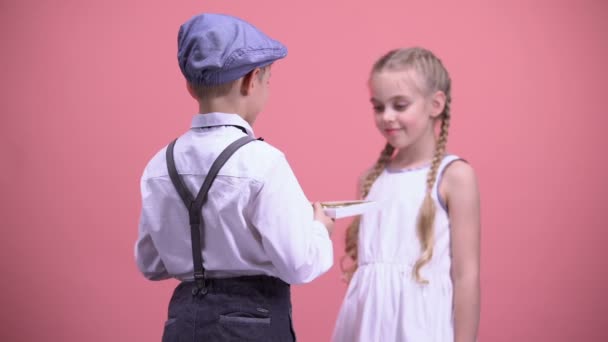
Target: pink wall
{"x":90,"y":90}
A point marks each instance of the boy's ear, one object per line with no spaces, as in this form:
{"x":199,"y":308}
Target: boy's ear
{"x":191,"y":90}
{"x":437,"y":103}
{"x":249,"y":81}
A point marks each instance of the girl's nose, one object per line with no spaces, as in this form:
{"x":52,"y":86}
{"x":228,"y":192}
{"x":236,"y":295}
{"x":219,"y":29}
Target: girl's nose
{"x":388,"y":115}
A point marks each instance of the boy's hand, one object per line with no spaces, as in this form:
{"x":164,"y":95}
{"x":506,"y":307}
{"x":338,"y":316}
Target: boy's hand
{"x":319,"y":215}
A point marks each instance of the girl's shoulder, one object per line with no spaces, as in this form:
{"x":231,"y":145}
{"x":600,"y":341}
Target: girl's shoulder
{"x":457,"y":170}
{"x":458,"y":179}
{"x":364,"y":180}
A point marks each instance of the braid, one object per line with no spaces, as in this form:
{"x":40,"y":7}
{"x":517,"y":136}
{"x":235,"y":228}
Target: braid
{"x":352,"y":232}
{"x":426,"y":216}
{"x":370,"y":178}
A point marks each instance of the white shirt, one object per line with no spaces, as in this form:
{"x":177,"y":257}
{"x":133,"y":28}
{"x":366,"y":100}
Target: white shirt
{"x":257,"y":218}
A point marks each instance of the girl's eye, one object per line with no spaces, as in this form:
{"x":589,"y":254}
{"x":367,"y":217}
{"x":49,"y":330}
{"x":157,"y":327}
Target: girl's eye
{"x":400,"y":107}
{"x":378,"y":109}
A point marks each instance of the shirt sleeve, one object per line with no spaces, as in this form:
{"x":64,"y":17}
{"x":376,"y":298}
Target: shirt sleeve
{"x":299,"y":247}
{"x":147,"y":257}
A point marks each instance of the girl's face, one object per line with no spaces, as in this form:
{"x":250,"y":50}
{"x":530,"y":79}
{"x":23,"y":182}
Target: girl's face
{"x":403,"y":113}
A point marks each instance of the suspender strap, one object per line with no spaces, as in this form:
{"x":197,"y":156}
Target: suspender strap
{"x":195,"y":205}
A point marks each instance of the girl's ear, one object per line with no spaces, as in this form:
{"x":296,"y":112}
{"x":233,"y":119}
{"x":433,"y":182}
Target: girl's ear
{"x":437,"y":103}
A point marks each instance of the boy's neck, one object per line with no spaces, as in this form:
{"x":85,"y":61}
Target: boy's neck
{"x":221,"y":105}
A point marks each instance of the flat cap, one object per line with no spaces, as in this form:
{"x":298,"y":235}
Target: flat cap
{"x":213,"y":49}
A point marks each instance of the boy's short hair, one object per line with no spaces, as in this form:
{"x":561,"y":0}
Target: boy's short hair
{"x":215,"y":49}
{"x":211,"y":91}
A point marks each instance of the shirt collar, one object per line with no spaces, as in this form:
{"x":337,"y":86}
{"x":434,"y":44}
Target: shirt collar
{"x":221,"y":119}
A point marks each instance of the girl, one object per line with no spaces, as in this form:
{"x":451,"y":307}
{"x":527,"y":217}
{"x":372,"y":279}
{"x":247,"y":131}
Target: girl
{"x":415,"y":276}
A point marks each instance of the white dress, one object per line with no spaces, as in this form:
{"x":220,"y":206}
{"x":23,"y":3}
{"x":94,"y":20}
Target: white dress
{"x":384,"y":302}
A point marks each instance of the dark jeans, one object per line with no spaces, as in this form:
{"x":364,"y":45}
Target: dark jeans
{"x":253,"y":308}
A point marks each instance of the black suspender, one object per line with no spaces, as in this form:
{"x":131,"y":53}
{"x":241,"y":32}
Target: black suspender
{"x":195,"y":205}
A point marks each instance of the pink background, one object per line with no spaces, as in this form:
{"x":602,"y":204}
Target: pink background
{"x":90,"y":90}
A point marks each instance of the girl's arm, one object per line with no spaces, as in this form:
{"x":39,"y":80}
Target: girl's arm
{"x":462,"y":197}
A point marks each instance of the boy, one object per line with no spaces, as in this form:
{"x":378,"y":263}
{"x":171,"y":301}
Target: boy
{"x":257,"y":232}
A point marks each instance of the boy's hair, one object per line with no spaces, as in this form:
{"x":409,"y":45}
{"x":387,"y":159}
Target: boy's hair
{"x":435,"y":77}
{"x":211,"y":91}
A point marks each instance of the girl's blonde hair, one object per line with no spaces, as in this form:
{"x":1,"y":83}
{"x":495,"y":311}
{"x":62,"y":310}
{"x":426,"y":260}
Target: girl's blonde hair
{"x":434,"y":77}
